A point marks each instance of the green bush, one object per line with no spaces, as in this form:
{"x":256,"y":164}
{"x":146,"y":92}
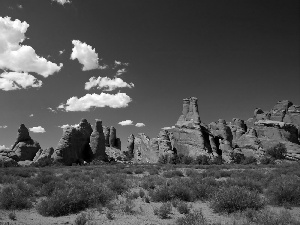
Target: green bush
{"x":183,"y":207}
{"x":250,"y":184}
{"x":152,"y":181}
{"x":277,"y":152}
{"x":249,"y":160}
{"x":164,"y":211}
{"x":202,"y":160}
{"x":237,"y":157}
{"x":160,"y":194}
{"x":118,"y":184}
{"x":16,"y":196}
{"x":181,"y":190}
{"x":234,"y":198}
{"x":284,"y":189}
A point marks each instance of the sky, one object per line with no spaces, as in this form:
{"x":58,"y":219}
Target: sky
{"x":131,"y":62}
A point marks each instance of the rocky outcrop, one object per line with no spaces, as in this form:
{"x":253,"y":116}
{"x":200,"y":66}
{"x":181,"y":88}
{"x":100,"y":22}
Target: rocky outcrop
{"x":97,"y":142}
{"x":7,"y":161}
{"x":130,"y":146}
{"x":25,"y":148}
{"x":74,"y":146}
{"x":146,"y":150}
{"x":44,"y":156}
{"x":190,"y":114}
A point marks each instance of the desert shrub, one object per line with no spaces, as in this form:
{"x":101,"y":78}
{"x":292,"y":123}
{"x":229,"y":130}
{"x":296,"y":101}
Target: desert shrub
{"x":173,"y":173}
{"x":180,"y":190}
{"x":202,"y":191}
{"x":150,"y":182}
{"x":141,"y":193}
{"x":48,"y":188}
{"x":234,"y":198}
{"x":110,"y":215}
{"x":202,"y":160}
{"x":118,"y":184}
{"x":128,"y":171}
{"x":76,"y":197}
{"x":153,"y":171}
{"x":237,"y":157}
{"x":191,"y":173}
{"x":160,"y":194}
{"x":147,"y":199}
{"x":163,"y":159}
{"x":164,"y":211}
{"x":132,"y":195}
{"x":249,"y":160}
{"x":216,"y":161}
{"x":284,"y":189}
{"x":16,"y":196}
{"x":84,"y":218}
{"x":277,"y":152}
{"x":127,"y":206}
{"x":42,"y":179}
{"x":193,"y":218}
{"x":265,"y":160}
{"x":252,"y":185}
{"x":139,"y":171}
{"x":5,"y":179}
{"x":183,"y":207}
{"x":12,"y":215}
{"x":187,"y":160}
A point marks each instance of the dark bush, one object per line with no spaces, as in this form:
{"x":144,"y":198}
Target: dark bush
{"x":202,"y":160}
{"x":118,"y":184}
{"x":163,"y":159}
{"x":181,"y":190}
{"x":150,"y":182}
{"x":16,"y":196}
{"x":173,"y":173}
{"x":267,"y":160}
{"x":231,"y":199}
{"x":160,"y":194}
{"x":164,"y":211}
{"x":284,"y":189}
{"x":277,"y":152}
{"x":249,"y":160}
{"x":183,"y":207}
{"x":250,"y":184}
{"x":237,"y":157}
{"x":194,"y":218}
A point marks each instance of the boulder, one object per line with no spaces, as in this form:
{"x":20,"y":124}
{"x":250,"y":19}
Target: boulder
{"x":97,"y":142}
{"x":74,"y":146}
{"x":44,"y":156}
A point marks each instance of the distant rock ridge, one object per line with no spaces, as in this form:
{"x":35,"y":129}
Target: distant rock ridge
{"x":191,"y":137}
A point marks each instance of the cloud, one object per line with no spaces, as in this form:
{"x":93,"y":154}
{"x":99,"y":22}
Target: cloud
{"x":17,"y":57}
{"x":3,"y":127}
{"x":62,"y":2}
{"x":14,"y":80}
{"x":61,"y":52}
{"x":121,"y":71}
{"x":67,"y":125}
{"x":86,"y":56}
{"x":106,"y":83}
{"x":118,"y":63}
{"x":2,"y":147}
{"x":38,"y":129}
{"x":168,"y":128}
{"x":119,"y":100}
{"x":126,"y":123}
{"x":140,"y":125}
{"x":51,"y":110}
{"x":31,"y":115}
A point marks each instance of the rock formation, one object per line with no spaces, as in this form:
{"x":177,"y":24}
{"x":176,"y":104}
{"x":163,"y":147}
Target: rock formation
{"x":97,"y":142}
{"x":74,"y":146}
{"x":44,"y":156}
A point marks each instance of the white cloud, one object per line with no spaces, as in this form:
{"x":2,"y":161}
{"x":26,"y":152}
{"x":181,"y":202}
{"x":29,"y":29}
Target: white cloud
{"x":20,"y":6}
{"x":3,"y":127}
{"x":61,"y":52}
{"x":140,"y":125}
{"x":2,"y":147}
{"x":119,"y":63}
{"x":106,"y":83}
{"x":121,"y":71}
{"x":126,"y":123}
{"x":51,"y":110}
{"x":17,"y":57}
{"x":31,"y":115}
{"x":38,"y":129}
{"x":13,"y":81}
{"x":67,"y":125}
{"x":62,"y":2}
{"x":119,"y":100}
{"x":86,"y":56}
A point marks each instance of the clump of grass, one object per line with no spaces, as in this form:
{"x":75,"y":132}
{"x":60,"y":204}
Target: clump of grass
{"x":141,"y":193}
{"x":12,"y":215}
{"x":84,"y":218}
{"x":164,"y":211}
{"x":160,"y":194}
{"x":234,"y":198}
{"x":139,"y":170}
{"x":183,"y":208}
{"x":152,"y":181}
{"x":110,"y":215}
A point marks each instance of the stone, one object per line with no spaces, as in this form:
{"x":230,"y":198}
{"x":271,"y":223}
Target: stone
{"x":112,"y":137}
{"x":146,"y":150}
{"x":106,"y":131}
{"x":190,"y":114}
{"x":130,"y":146}
{"x":97,"y":142}
{"x":23,"y":135}
{"x":44,"y":155}
{"x":279,"y":110}
{"x":238,"y":128}
{"x":74,"y":146}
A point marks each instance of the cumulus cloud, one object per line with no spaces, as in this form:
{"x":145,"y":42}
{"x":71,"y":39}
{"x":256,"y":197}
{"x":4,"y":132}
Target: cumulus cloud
{"x":62,"y":2}
{"x":126,"y":123}
{"x":2,"y":147}
{"x":51,"y":110}
{"x":61,"y":52}
{"x":106,"y":83}
{"x":31,"y":115}
{"x":14,"y":80}
{"x":119,"y":63}
{"x":3,"y":127}
{"x":121,"y":71}
{"x":67,"y":125}
{"x":17,"y":57}
{"x":140,"y":125}
{"x":86,"y":56}
{"x":38,"y":129}
{"x":119,"y":100}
